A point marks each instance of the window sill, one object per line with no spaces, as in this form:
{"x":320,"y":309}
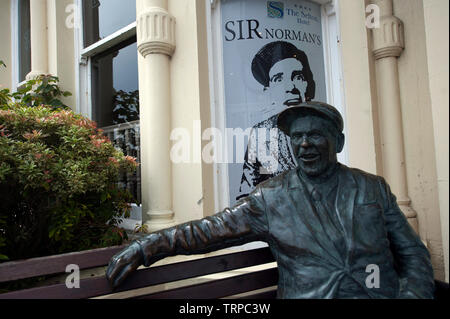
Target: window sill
{"x":110,"y":41}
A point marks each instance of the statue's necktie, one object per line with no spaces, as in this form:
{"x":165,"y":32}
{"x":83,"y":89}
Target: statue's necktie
{"x":316,"y":195}
{"x":329,"y":219}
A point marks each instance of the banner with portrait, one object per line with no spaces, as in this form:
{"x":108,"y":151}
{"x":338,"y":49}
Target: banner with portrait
{"x":273,"y":59}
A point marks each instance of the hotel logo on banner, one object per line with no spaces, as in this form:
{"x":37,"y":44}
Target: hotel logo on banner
{"x":275,"y":9}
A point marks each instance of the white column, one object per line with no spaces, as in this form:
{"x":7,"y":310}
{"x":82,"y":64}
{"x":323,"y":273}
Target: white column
{"x":156,"y":44}
{"x":388,"y":44}
{"x":39,"y":42}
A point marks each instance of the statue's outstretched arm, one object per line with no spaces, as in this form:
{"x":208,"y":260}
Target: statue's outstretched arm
{"x":243,"y":223}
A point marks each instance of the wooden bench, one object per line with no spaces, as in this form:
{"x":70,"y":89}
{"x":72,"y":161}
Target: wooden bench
{"x":260,"y":284}
{"x":153,"y":276}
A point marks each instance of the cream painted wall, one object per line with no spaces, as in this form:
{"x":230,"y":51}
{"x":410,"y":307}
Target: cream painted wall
{"x":205,"y":105}
{"x":5,"y":48}
{"x":418,"y":129}
{"x":360,"y":137}
{"x":188,"y":89}
{"x":437,"y":33}
{"x":61,"y":48}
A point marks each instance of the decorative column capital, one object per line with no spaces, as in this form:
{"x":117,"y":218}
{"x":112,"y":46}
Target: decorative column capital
{"x":388,"y":39}
{"x":155,"y":32}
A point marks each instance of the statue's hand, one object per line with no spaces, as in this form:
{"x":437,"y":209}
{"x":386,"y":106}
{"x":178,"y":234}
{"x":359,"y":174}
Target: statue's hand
{"x":124,"y":263}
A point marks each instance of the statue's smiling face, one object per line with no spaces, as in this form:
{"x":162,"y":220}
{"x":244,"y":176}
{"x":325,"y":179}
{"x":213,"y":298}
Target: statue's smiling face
{"x":315,"y":143}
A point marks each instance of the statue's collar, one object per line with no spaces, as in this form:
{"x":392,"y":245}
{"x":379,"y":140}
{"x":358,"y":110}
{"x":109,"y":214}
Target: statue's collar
{"x":296,"y":176}
{"x":322,"y":179}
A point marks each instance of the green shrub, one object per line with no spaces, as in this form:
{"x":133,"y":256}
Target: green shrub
{"x":42,"y":90}
{"x":58,"y":182}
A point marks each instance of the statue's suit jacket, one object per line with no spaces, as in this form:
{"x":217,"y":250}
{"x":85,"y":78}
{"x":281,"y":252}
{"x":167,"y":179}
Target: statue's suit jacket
{"x":313,"y":258}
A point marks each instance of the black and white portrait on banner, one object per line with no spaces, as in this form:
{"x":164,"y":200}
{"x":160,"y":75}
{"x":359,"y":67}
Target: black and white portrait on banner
{"x":273,"y":59}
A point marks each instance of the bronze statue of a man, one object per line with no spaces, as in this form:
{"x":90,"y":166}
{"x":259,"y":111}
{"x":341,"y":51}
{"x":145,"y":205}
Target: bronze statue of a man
{"x":325,"y":224}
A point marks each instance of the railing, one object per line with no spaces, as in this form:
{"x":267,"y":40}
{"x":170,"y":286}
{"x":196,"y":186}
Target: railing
{"x":126,"y":137}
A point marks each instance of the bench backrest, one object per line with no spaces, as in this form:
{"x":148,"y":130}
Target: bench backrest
{"x":99,"y":286}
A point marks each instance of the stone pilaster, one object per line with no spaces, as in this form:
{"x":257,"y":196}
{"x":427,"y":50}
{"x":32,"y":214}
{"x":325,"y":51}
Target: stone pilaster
{"x":39,"y":38}
{"x":388,"y":45}
{"x":156,"y":44}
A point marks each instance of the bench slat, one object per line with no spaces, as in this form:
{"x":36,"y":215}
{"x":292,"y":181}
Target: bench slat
{"x":271,"y":294}
{"x":51,"y":265}
{"x":93,"y":287}
{"x":221,"y":288}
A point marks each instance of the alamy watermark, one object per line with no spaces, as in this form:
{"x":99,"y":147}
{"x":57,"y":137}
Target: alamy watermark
{"x":373,"y":17}
{"x":73,"y":19}
{"x":225,"y":146}
{"x":73,"y":279}
{"x":373,"y":280}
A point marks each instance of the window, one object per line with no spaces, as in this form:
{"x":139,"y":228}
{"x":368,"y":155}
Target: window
{"x":109,"y":59}
{"x":115,"y":86}
{"x":104,"y":17}
{"x":24,"y":39}
{"x":109,"y":92}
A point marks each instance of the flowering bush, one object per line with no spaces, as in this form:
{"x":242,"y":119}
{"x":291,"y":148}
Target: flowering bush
{"x":58,"y":183}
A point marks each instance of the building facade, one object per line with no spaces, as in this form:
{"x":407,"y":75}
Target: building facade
{"x":165,"y":78}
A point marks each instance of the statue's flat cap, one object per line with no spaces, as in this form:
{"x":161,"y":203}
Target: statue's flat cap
{"x":288,"y":116}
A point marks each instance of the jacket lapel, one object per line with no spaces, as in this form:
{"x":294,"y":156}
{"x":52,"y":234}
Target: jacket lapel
{"x":345,"y":200}
{"x":306,"y":212}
